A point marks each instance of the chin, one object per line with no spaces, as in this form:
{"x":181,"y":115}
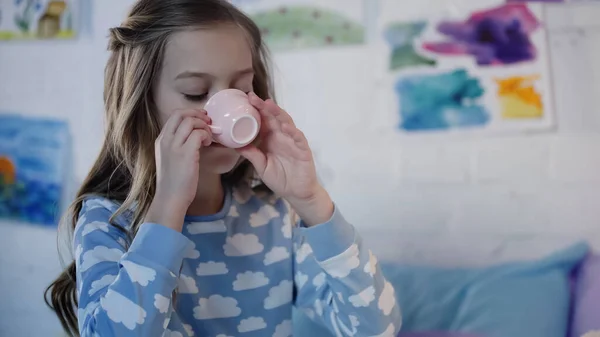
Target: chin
{"x":218,"y":159}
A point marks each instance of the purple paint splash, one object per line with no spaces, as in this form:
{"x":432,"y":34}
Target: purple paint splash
{"x":494,"y":37}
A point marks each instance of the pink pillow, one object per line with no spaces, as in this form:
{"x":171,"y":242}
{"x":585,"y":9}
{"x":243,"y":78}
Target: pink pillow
{"x":586,"y":309}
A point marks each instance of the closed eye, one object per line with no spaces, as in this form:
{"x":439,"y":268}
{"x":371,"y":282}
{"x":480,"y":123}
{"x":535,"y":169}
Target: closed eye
{"x":195,"y":98}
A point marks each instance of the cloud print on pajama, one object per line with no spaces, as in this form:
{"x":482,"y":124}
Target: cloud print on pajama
{"x":493,"y":37}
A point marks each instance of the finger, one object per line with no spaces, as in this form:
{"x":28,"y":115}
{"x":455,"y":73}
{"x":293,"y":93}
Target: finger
{"x":281,"y":115}
{"x":268,"y":122}
{"x":256,"y":157}
{"x":296,"y":135}
{"x":178,"y":116}
{"x":197,"y":139}
{"x":256,"y":101}
{"x":186,"y":127}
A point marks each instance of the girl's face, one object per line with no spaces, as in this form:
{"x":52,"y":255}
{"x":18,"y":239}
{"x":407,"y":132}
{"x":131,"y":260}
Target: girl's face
{"x":197,"y":64}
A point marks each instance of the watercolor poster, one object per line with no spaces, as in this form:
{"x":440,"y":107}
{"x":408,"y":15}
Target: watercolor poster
{"x":34,"y":161}
{"x":307,"y":24}
{"x":467,"y":66}
{"x":37,"y":19}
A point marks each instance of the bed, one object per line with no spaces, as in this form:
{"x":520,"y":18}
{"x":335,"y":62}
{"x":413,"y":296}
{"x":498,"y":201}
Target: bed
{"x":555,"y":296}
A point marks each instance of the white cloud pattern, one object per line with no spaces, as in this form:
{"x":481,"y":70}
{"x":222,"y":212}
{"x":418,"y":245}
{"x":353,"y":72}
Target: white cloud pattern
{"x":217,"y":226}
{"x":341,"y":297}
{"x":161,"y":303}
{"x":93,"y":226}
{"x":319,"y":280}
{"x":233,"y":212}
{"x":371,"y":266}
{"x":99,"y":254}
{"x":78,"y":251}
{"x":251,"y":324}
{"x":250,"y":280}
{"x":363,"y":298}
{"x":340,"y":266}
{"x":216,"y":306}
{"x":389,"y":332}
{"x":122,"y":242}
{"x":120,"y":309}
{"x":187,"y":284}
{"x":100,"y":284}
{"x":284,"y":329}
{"x":139,"y":274}
{"x":211,"y":268}
{"x":387,"y":299}
{"x":318,"y":307}
{"x":300,"y":279}
{"x":169,"y":333}
{"x":262,"y":217}
{"x":279,"y":295}
{"x":188,"y":330}
{"x":192,"y":253}
{"x":242,"y":245}
{"x":275,"y":255}
{"x":303,"y":252}
{"x":347,"y":330}
{"x":286,"y":229}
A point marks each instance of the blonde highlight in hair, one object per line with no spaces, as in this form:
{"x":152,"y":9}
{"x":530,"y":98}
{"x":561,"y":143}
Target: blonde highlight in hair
{"x":125,"y":169}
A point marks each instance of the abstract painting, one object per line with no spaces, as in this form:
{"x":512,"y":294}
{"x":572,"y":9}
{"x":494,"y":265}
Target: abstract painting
{"x":34,"y":161}
{"x":519,"y":98}
{"x":305,"y":24}
{"x":37,"y":19}
{"x":400,"y":36}
{"x":470,"y":67}
{"x":495,"y":36}
{"x":441,"y":101}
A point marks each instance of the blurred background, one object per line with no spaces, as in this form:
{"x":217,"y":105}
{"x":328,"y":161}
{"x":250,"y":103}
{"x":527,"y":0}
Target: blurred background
{"x":442,"y":149}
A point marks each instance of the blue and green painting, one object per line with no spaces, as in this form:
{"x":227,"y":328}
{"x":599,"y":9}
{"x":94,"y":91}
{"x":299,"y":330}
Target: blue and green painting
{"x":401,"y":36}
{"x":34,"y":157}
{"x":441,"y":101}
{"x":301,"y":27}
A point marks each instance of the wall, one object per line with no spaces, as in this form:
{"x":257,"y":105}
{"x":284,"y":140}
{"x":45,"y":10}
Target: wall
{"x":470,"y":201}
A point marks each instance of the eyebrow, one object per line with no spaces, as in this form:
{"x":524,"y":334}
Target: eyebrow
{"x":189,"y":74}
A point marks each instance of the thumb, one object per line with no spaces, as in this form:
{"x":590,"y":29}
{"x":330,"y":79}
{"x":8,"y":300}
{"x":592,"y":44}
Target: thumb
{"x":256,"y":157}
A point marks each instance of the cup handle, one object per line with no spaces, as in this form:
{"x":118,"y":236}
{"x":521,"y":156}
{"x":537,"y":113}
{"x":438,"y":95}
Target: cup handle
{"x":215,"y":130}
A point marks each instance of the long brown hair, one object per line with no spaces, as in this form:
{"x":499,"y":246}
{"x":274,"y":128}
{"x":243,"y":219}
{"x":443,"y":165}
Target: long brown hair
{"x":125,"y":168}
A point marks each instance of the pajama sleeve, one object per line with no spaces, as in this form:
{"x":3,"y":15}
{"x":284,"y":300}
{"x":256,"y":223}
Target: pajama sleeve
{"x":124,"y":290}
{"x":339,"y":283}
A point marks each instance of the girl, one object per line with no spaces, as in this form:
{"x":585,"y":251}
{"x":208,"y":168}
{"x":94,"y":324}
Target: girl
{"x":177,"y":236}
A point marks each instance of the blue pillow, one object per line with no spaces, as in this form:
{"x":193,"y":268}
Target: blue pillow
{"x":521,"y":299}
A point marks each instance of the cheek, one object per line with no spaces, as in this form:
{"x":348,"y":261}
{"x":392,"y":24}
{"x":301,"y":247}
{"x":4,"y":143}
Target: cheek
{"x":167,"y":101}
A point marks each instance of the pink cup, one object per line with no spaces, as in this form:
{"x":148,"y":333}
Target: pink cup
{"x":235,"y":122}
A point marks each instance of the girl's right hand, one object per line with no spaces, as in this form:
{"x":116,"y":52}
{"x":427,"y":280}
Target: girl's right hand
{"x":177,"y":152}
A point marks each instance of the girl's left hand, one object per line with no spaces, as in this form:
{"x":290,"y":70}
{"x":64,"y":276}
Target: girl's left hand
{"x":284,"y":162}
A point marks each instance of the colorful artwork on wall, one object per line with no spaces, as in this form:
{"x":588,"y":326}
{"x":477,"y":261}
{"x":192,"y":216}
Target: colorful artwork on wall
{"x":34,"y":162}
{"x":496,"y":36}
{"x":37,"y":19}
{"x":441,"y":101}
{"x":483,"y":68}
{"x":307,"y":24}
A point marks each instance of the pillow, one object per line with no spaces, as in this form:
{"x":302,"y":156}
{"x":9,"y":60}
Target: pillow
{"x":586,"y":304}
{"x":521,"y":299}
